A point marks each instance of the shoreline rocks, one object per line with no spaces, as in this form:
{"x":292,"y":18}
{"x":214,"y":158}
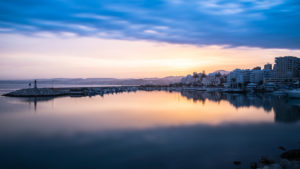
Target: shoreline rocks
{"x":82,"y":91}
{"x":293,"y":155}
{"x":290,"y":159}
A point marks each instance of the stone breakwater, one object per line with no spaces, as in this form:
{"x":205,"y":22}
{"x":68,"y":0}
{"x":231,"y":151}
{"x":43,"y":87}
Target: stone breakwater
{"x":74,"y":91}
{"x":82,"y":91}
{"x":90,"y":91}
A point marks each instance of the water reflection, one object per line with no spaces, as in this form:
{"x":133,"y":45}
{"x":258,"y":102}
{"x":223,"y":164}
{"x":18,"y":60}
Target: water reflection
{"x":35,"y":100}
{"x":145,"y":130}
{"x":140,"y":110}
{"x":285,"y":110}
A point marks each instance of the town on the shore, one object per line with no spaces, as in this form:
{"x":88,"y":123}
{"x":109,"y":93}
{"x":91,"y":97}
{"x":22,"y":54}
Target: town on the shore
{"x":285,"y":74}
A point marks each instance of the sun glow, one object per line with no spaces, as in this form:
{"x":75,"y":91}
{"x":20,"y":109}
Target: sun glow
{"x":43,"y":57}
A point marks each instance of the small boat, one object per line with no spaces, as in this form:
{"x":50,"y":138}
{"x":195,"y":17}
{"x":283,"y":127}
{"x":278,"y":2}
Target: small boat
{"x":201,"y":89}
{"x":236,"y":90}
{"x":294,"y":93}
{"x":280,"y":92}
{"x":270,"y":87}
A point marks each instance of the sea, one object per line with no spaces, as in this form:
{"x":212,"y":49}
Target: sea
{"x":145,"y":130}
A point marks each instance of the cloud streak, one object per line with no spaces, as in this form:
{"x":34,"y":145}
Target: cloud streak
{"x":253,"y":23}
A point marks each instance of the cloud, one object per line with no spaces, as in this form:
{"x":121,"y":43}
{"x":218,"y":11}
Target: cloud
{"x":253,"y":23}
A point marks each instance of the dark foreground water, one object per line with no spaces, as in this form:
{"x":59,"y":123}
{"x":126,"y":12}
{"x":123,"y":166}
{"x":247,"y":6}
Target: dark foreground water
{"x":145,"y":130}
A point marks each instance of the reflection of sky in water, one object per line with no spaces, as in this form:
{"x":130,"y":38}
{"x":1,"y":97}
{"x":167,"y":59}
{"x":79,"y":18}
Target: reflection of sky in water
{"x":145,"y":130}
{"x":124,"y":111}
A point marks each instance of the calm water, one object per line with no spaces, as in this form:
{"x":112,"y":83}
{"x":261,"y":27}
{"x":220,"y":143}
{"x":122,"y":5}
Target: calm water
{"x":145,"y":130}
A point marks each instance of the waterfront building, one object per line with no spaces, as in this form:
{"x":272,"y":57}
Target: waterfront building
{"x":257,"y":68}
{"x":286,"y":71}
{"x":238,"y":78}
{"x":256,"y":76}
{"x":243,"y":76}
{"x":287,"y":67}
{"x":231,"y":78}
{"x":211,"y":81}
{"x":268,"y":66}
{"x":267,"y":73}
{"x":201,"y":79}
{"x":187,"y":80}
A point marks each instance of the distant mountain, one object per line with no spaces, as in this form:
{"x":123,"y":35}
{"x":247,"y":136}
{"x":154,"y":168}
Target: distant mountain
{"x":101,"y":81}
{"x":164,"y":80}
{"x":222,"y":72}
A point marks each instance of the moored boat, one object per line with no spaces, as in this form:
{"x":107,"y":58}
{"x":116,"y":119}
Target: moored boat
{"x":294,"y":93}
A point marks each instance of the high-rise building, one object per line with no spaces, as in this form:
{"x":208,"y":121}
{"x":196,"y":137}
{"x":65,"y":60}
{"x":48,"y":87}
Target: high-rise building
{"x":268,"y":66}
{"x":257,"y":68}
{"x":268,"y":73}
{"x":287,"y":67}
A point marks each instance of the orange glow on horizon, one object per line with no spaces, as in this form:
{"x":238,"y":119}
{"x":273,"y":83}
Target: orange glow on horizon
{"x":24,"y":57}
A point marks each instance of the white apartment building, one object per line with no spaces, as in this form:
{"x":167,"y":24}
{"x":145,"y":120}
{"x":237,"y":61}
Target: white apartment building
{"x":256,"y":76}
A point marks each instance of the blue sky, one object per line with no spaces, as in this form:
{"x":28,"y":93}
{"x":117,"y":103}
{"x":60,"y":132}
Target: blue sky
{"x":253,"y":23}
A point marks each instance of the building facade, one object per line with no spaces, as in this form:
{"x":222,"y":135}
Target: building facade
{"x":256,"y":76}
{"x":238,"y":78}
{"x":287,"y":67}
{"x":268,"y":66}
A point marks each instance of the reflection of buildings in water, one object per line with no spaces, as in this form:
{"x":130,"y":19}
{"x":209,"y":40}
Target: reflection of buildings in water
{"x":285,"y":110}
{"x":256,"y":100}
{"x":202,"y":96}
{"x":237,"y":100}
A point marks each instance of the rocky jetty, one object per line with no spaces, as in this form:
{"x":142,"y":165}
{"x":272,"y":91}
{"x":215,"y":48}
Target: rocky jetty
{"x":35,"y":92}
{"x":290,"y":159}
{"x":82,"y":91}
{"x":283,"y":164}
{"x":85,"y":91}
{"x":291,"y":155}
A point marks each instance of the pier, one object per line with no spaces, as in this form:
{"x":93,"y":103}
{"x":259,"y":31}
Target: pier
{"x":72,"y":91}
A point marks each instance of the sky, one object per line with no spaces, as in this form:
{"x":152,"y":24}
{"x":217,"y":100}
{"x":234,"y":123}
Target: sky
{"x":142,"y":38}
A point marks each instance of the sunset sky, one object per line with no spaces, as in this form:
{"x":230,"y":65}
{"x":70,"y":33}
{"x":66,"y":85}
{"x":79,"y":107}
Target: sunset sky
{"x":142,"y":38}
